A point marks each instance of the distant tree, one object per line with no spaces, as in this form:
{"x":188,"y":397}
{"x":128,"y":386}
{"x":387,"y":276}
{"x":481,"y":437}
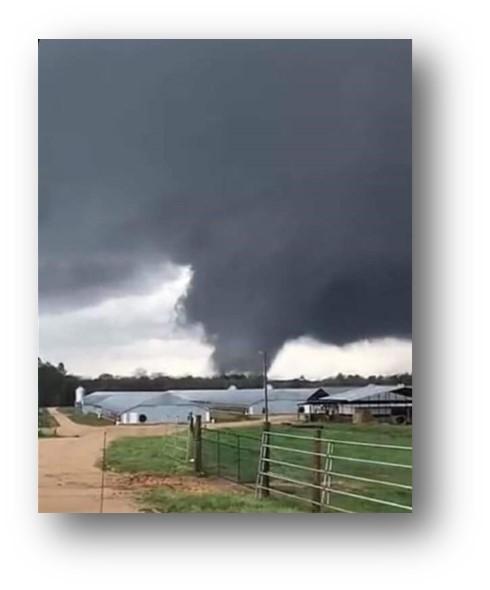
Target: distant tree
{"x":56,"y":387}
{"x":340,"y":378}
{"x":140,"y":372}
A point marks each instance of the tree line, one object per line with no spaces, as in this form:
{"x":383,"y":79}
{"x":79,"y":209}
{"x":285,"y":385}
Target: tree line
{"x":56,"y":387}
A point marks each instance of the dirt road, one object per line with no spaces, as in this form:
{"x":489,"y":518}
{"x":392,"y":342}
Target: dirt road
{"x":69,"y":480}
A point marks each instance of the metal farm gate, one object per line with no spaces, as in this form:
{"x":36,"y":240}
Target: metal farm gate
{"x":331,"y":475}
{"x":321,"y":473}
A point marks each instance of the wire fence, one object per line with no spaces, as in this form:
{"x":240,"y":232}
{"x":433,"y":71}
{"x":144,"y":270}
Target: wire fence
{"x":331,"y":475}
{"x":231,"y":455}
{"x":321,"y":473}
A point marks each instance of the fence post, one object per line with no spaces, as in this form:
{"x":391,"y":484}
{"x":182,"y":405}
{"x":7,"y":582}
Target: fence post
{"x":218,"y":457}
{"x":237,"y":457}
{"x":317,"y":475}
{"x":265,"y":462}
{"x":198,"y":445}
{"x":102,"y":480}
{"x":190,"y":440}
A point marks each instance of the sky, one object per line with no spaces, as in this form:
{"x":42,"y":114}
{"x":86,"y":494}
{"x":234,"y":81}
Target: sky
{"x":200,"y":201}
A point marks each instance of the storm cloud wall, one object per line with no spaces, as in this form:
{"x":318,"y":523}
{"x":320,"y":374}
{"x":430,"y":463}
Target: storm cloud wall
{"x":279,"y":170}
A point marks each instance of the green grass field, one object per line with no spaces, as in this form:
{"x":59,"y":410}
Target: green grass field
{"x":86,"y":419}
{"x":222,"y":456}
{"x":233,"y":453}
{"x":45,"y":433}
{"x":45,"y":419}
{"x":167,"y":456}
{"x":46,"y":424}
{"x":150,"y":454}
{"x":160,"y":500}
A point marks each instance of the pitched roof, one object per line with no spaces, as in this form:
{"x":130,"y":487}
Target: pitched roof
{"x":118,"y":402}
{"x":359,"y":393}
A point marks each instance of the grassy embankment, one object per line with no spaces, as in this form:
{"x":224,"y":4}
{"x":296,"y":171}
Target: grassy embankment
{"x":46,"y":424}
{"x":162,"y":500}
{"x":85,"y":419}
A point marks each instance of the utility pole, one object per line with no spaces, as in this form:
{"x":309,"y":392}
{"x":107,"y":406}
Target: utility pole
{"x":266,"y":392}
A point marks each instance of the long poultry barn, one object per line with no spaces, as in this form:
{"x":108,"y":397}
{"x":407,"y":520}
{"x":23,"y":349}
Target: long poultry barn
{"x":176,"y":406}
{"x":141,"y":407}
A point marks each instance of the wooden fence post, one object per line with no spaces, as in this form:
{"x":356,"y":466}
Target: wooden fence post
{"x":317,"y":475}
{"x":238,"y":457}
{"x":198,"y":445}
{"x":218,"y":453}
{"x":102,"y":480}
{"x":190,"y":440}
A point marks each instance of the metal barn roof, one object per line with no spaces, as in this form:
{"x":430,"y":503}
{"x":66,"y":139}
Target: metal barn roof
{"x":241,"y":397}
{"x":164,"y":399}
{"x":368,"y":391}
{"x":95,"y":398}
{"x":118,"y":402}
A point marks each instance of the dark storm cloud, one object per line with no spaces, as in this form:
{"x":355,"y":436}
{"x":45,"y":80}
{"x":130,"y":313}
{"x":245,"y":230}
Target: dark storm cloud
{"x":280,"y":170}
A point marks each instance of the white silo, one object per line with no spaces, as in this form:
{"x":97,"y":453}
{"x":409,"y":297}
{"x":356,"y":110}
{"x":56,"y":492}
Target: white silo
{"x":79,"y":393}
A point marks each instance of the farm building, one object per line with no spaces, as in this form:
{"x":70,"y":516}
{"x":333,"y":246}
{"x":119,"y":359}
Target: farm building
{"x":164,"y":407}
{"x":129,"y":407}
{"x":380,"y":401}
{"x":281,"y":401}
{"x":112,"y":404}
{"x":133,"y":407}
{"x":250,"y":401}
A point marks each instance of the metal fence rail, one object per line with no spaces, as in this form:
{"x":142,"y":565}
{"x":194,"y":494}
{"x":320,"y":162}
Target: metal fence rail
{"x":178,"y":444}
{"x":323,"y":474}
{"x":335,"y":475}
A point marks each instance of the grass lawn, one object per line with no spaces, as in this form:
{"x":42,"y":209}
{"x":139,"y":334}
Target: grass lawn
{"x":87,"y":419}
{"x":161,"y":500}
{"x":233,"y":453}
{"x":375,"y":433}
{"x":167,"y":455}
{"x":150,"y":454}
{"x":46,"y":433}
{"x":45,"y":419}
{"x":46,"y":424}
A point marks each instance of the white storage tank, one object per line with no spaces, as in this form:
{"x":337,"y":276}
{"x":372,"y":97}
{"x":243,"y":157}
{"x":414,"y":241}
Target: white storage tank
{"x":79,"y":393}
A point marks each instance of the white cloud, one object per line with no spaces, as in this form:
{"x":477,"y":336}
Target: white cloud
{"x":313,"y":359}
{"x":121,"y":334}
